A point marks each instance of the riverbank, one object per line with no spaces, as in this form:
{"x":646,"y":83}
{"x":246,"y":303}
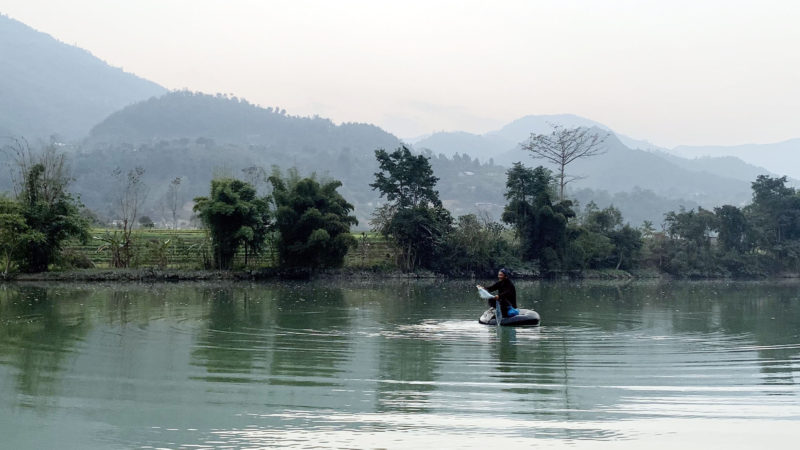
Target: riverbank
{"x":158,"y":275}
{"x":346,"y":273}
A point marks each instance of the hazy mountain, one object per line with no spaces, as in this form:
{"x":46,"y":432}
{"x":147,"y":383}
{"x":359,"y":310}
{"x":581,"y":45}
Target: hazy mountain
{"x":782,"y":158}
{"x":725,"y":166}
{"x":640,"y":178}
{"x":195,"y":136}
{"x":48,"y":87}
{"x":184,"y":114}
{"x":521,"y":129}
{"x":495,"y":143}
{"x":483,"y":147}
{"x":620,"y":169}
{"x":501,"y":143}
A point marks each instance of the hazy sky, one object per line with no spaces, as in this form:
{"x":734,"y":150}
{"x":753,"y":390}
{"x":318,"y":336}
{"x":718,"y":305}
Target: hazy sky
{"x":669,"y":71}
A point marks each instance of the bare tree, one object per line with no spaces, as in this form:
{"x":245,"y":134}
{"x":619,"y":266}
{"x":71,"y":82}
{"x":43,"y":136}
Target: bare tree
{"x":131,"y":196}
{"x":174,"y":200}
{"x":54,"y":175}
{"x":563,"y":146}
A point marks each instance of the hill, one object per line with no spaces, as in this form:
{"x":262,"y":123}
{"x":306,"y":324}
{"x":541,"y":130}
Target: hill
{"x":196,"y":136}
{"x":495,"y":143}
{"x":620,"y":169}
{"x":51,"y":88}
{"x":184,"y":114}
{"x":782,"y":158}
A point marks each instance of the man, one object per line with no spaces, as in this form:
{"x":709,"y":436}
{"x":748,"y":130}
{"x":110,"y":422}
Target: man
{"x":506,"y":294}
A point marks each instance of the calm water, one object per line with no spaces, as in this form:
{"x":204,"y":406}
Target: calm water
{"x":391,"y":365}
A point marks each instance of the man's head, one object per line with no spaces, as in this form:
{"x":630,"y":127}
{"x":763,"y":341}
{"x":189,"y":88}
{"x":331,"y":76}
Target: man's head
{"x":503,"y":273}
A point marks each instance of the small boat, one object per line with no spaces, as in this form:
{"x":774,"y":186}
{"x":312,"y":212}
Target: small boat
{"x":525,"y":317}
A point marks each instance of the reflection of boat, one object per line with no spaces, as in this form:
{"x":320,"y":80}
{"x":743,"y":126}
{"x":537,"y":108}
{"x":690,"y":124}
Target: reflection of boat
{"x":525,"y":317}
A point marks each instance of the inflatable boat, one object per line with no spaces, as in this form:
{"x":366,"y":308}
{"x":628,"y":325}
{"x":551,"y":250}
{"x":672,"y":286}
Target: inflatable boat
{"x":525,"y":317}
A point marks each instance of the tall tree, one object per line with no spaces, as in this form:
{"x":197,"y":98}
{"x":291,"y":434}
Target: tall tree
{"x":234,"y":216}
{"x":563,"y":146}
{"x":51,"y":214}
{"x":405,"y":179}
{"x":174,"y":200}
{"x":314,"y":222}
{"x":732,"y":227}
{"x":414,"y":217}
{"x":130,"y":196}
{"x":541,"y":224}
{"x":14,"y":233}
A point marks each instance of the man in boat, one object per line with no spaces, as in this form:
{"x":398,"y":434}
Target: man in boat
{"x":506,"y":294}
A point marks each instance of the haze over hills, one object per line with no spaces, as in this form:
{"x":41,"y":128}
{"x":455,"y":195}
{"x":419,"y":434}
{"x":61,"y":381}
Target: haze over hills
{"x":194,"y":135}
{"x":781,"y":157}
{"x":621,"y":168}
{"x":184,"y":114}
{"x":119,"y":120}
{"x":50,"y":88}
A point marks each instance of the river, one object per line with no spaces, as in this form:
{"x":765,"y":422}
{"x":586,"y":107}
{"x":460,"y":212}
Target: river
{"x":398,"y":365}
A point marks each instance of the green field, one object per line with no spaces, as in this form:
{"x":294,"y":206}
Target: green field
{"x":191,"y":249}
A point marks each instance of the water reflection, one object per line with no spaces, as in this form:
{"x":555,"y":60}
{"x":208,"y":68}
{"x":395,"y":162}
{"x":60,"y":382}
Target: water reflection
{"x":40,"y":329}
{"x":304,"y":363}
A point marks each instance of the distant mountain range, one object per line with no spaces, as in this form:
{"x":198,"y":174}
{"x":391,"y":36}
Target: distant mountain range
{"x":504,"y":144}
{"x":115,"y":119}
{"x":51,"y":88}
{"x":782,"y":157}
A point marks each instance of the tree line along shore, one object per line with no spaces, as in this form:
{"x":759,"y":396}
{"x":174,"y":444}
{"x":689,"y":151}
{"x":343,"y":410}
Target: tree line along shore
{"x":303,"y":226}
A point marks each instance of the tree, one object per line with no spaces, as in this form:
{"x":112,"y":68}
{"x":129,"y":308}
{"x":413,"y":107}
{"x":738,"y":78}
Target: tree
{"x":234,"y":216}
{"x":14,"y":233}
{"x":732,"y":227}
{"x":405,"y":180}
{"x":475,"y":246}
{"x":524,"y":187}
{"x":414,"y":218}
{"x":313,"y":220}
{"x":541,"y":224}
{"x":627,"y":245}
{"x":146,"y":222}
{"x":50,"y":212}
{"x":174,"y":200}
{"x":775,"y":211}
{"x":563,"y":146}
{"x":131,"y":194}
{"x":694,"y":227}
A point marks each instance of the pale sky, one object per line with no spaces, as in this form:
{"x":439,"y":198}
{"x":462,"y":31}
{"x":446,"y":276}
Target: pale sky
{"x":670,"y":71}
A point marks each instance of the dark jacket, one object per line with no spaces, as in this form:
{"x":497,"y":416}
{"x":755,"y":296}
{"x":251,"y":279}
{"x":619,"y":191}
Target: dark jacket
{"x":506,"y":290}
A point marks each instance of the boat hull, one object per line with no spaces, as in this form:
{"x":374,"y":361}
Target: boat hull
{"x":526,"y":317}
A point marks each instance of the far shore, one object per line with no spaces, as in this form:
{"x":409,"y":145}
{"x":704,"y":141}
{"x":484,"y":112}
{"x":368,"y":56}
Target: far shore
{"x":265,"y":274}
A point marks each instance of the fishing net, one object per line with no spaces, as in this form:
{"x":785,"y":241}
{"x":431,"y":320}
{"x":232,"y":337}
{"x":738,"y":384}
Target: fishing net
{"x":484,"y":294}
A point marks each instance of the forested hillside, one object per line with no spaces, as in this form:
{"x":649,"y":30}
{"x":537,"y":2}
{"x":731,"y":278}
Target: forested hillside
{"x":50,"y":88}
{"x":196,"y":136}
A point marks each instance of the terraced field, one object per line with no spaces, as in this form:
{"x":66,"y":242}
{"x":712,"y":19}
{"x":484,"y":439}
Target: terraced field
{"x":191,"y":249}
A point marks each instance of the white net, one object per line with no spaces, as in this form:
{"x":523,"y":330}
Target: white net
{"x":484,"y":294}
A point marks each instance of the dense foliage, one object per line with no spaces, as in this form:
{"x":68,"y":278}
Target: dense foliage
{"x":313,"y":220}
{"x":15,"y":233}
{"x":540,"y":223}
{"x":51,"y":214}
{"x":235,"y":216}
{"x":414,"y":217}
{"x":761,"y":239}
